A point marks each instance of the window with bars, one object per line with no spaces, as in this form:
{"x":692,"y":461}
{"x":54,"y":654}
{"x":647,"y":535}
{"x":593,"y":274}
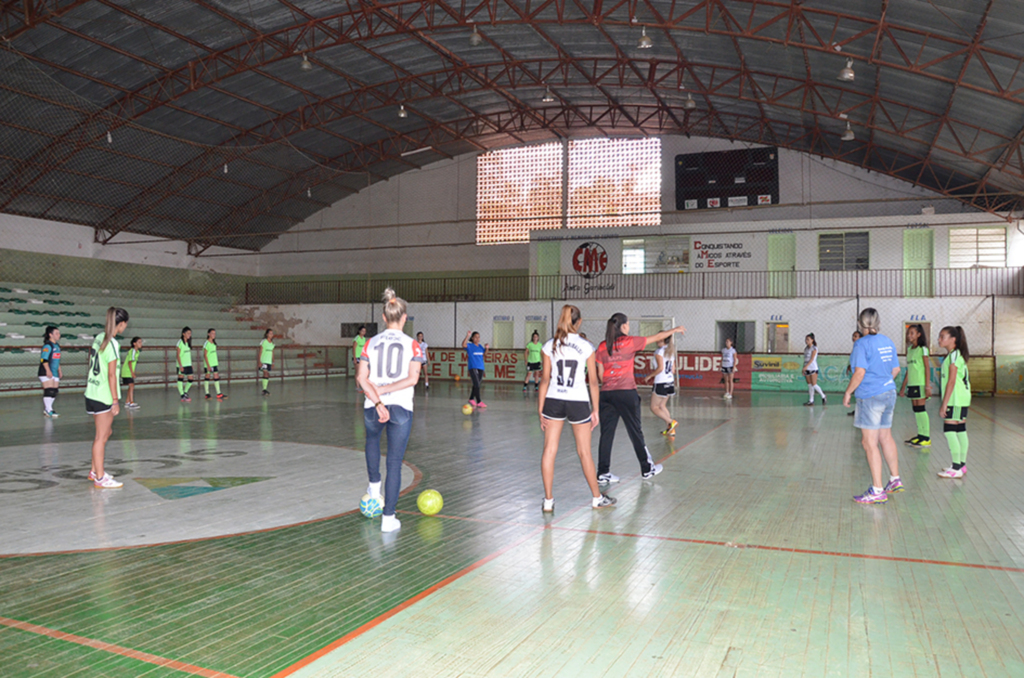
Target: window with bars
{"x":612,"y":182}
{"x":518,"y":190}
{"x":977,"y":247}
{"x":843,"y":251}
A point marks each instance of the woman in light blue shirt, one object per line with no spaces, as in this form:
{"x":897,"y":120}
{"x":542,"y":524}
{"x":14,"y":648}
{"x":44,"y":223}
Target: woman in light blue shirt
{"x":475,"y":359}
{"x":875,"y":367}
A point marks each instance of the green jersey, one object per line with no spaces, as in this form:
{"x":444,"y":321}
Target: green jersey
{"x":360,"y":343}
{"x":533,"y":352}
{"x":266,"y":352}
{"x":917,"y":366}
{"x":962,"y":388}
{"x":97,"y":386}
{"x":130,"y":361}
{"x":185,"y":353}
{"x":210,"y":349}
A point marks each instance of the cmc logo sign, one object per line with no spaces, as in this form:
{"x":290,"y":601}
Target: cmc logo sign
{"x":590,"y":260}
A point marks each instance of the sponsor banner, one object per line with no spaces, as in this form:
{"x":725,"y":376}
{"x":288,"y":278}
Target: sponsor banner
{"x":690,"y":204}
{"x":714,"y":202}
{"x":785,"y":373}
{"x":738,"y":201}
{"x":764,"y":200}
{"x":499,"y":364}
{"x":697,"y":370}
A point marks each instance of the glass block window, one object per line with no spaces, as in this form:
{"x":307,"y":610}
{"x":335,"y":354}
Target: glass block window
{"x":634,"y":256}
{"x":977,"y":247}
{"x":518,"y":189}
{"x":614,"y":182}
{"x":843,"y":251}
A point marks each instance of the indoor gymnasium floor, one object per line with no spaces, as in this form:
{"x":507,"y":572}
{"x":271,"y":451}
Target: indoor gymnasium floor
{"x":234,"y":548}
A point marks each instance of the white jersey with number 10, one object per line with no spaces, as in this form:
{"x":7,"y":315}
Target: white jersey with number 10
{"x":388,"y":355}
{"x":568,"y":365}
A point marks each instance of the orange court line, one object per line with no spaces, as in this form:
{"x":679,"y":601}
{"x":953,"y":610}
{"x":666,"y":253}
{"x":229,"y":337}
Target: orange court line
{"x":114,"y":649}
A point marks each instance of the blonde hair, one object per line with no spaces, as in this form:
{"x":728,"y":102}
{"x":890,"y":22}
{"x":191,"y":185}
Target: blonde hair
{"x":670,"y":351}
{"x":115,"y":316}
{"x":394,"y":306}
{"x":868,"y":321}
{"x":568,"y":323}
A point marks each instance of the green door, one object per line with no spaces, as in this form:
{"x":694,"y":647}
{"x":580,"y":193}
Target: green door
{"x":782,"y":265}
{"x":549,"y":262}
{"x":918,"y":263}
{"x":503,"y":331}
{"x":538,"y":326}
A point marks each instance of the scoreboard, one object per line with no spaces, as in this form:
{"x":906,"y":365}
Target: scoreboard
{"x":742,"y":178}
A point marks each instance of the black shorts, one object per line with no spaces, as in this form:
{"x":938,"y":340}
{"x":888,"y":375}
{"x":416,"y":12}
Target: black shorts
{"x":534,"y":367}
{"x":665,"y":390}
{"x":210,"y":370}
{"x":727,"y":370}
{"x":810,"y":372}
{"x":127,"y":381}
{"x":96,"y":407}
{"x":185,"y":370}
{"x":914,"y":393}
{"x":955,"y":414}
{"x":577,"y":412}
{"x":266,"y":366}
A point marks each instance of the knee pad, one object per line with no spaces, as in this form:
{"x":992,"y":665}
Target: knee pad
{"x":56,"y":392}
{"x":947,"y":427}
{"x":49,"y":393}
{"x":919,"y":408}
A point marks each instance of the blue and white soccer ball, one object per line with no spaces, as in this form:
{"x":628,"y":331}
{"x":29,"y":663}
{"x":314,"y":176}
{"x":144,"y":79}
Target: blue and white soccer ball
{"x":371,"y":507}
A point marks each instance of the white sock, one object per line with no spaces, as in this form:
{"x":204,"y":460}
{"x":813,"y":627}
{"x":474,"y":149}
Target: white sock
{"x":47,"y":403}
{"x":810,"y":393}
{"x":373,"y":489}
{"x":892,"y":478}
{"x":818,"y":389}
{"x":876,"y":489}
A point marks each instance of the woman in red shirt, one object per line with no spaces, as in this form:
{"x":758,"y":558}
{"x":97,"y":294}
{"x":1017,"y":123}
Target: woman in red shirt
{"x":619,"y":397}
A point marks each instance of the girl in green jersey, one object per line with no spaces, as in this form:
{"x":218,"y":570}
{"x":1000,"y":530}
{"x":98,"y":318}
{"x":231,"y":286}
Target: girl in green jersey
{"x":185,"y":377}
{"x":917,"y":383}
{"x":533,"y":362}
{"x":956,"y":398}
{"x":211,"y":365}
{"x":102,"y":392}
{"x":128,"y":372}
{"x":265,"y":359}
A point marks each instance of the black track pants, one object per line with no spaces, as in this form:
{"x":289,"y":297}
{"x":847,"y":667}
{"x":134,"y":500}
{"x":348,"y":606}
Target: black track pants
{"x":625,"y":404}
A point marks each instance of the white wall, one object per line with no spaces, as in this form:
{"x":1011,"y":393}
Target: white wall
{"x":25,"y":234}
{"x":831,"y":320}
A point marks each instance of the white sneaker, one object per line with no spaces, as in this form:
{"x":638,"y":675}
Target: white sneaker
{"x":390,"y":523}
{"x":373,"y":489}
{"x":607,"y":478}
{"x":655,"y":470}
{"x":953,"y":472}
{"x":548,"y":506}
{"x":728,"y":396}
{"x":604,"y":501}
{"x":133,"y":406}
{"x":107,"y":482}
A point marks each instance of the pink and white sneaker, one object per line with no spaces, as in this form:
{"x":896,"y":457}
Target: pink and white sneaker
{"x":107,"y":482}
{"x":953,"y":472}
{"x":92,"y":474}
{"x":481,"y":405}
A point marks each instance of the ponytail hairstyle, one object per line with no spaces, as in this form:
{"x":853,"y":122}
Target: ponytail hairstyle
{"x":535,"y":334}
{"x":212,"y":341}
{"x":269,"y":330}
{"x":183,"y":331}
{"x":960,"y":338}
{"x":50,"y":329}
{"x":814,"y":342}
{"x":868,"y":322}
{"x":568,"y":323}
{"x":670,"y":351}
{"x":614,"y":331}
{"x":115,"y":316}
{"x":922,"y":338}
{"x":134,"y":340}
{"x":394,"y":306}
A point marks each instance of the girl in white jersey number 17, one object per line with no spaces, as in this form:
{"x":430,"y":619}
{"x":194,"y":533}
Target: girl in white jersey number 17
{"x":387,"y":371}
{"x":565,"y":395}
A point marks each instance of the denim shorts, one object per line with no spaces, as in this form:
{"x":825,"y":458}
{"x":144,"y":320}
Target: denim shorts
{"x":875,"y":412}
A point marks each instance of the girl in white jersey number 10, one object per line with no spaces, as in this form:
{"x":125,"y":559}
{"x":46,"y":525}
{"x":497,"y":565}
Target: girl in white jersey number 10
{"x":565,"y":395}
{"x":387,"y":371}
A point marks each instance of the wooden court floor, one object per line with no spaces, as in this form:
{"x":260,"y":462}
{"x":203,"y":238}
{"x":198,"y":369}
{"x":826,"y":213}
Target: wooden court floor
{"x":746,"y":557}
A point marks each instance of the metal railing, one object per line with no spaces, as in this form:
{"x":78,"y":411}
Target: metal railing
{"x":158,"y":364}
{"x":938,"y":282}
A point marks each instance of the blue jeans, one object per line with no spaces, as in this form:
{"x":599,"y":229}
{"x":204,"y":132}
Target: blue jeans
{"x":875,"y":412}
{"x":399,"y":427}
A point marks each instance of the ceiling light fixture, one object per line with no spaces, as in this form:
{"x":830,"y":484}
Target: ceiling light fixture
{"x":689,"y":104}
{"x":306,"y":65}
{"x":309,"y":192}
{"x":548,"y":96}
{"x":475,"y":39}
{"x":645,"y":41}
{"x":225,"y":168}
{"x":110,"y":138}
{"x":402,"y":113}
{"x":847,"y":74}
{"x":848,"y":134}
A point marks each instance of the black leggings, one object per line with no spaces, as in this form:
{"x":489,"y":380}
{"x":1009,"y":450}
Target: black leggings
{"x":477,"y":376}
{"x":625,"y":404}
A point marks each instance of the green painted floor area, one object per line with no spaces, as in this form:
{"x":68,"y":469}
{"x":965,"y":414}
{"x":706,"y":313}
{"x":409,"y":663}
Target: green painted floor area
{"x":746,"y":557}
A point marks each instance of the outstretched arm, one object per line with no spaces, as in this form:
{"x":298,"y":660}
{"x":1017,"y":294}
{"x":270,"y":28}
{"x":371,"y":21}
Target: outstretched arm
{"x":660,"y":336}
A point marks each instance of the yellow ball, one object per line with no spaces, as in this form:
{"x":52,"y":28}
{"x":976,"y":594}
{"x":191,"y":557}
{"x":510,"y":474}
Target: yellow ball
{"x":429,"y":502}
{"x":467,"y":409}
